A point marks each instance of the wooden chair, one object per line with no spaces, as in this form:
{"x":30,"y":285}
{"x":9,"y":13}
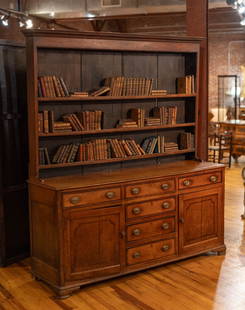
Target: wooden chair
{"x":220,"y":147}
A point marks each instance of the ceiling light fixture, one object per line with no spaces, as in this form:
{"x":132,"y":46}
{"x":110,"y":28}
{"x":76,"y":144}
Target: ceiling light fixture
{"x":29,"y":24}
{"x":239,"y":5}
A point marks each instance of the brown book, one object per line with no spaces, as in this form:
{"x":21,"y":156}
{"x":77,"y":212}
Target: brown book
{"x":56,"y":86}
{"x":181,"y":85}
{"x":51,"y":85}
{"x":77,"y":121}
{"x":60,"y":87}
{"x":126,"y":148}
{"x":46,"y":156}
{"x":64,"y":87}
{"x":74,"y":153}
{"x":46,"y":121}
{"x":66,"y":153}
{"x":43,"y":86}
{"x":47,"y":86}
{"x":40,"y":122}
{"x":51,"y":121}
{"x":115,"y":153}
{"x":102,"y":91}
{"x":57,"y":154}
{"x":63,"y":154}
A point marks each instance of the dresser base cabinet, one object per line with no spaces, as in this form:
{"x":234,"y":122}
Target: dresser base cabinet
{"x":87,"y":229}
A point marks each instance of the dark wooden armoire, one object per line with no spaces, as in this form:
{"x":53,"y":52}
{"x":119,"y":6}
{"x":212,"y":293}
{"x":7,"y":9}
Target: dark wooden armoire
{"x":14,"y":230}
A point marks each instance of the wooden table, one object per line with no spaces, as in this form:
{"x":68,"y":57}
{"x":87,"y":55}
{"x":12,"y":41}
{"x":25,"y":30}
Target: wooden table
{"x":237,"y":127}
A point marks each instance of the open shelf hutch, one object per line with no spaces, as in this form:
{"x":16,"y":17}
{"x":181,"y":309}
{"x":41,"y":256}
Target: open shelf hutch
{"x":96,"y":219}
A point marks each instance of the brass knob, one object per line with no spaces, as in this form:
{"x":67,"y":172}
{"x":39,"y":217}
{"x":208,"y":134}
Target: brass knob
{"x":135,"y":191}
{"x":165,"y":248}
{"x":110,"y":195}
{"x":136,"y":255}
{"x":187,"y":182}
{"x":136,"y":232}
{"x":165,"y":186}
{"x":165,"y":226}
{"x":213,"y":179}
{"x":74,"y":200}
{"x":136,"y":211}
{"x":166,"y":205}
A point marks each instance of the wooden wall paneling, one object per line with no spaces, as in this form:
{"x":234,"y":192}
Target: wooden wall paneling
{"x":13,"y":153}
{"x":61,"y":63}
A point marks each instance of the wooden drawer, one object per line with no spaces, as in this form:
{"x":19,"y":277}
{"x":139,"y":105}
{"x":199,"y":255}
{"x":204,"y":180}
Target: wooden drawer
{"x":151,"y":251}
{"x":151,"y":188}
{"x":151,"y":207}
{"x":150,"y":229}
{"x":91,"y":197}
{"x":199,"y":180}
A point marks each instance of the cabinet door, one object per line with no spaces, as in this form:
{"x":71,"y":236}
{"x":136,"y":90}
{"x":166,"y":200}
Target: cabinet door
{"x":201,"y":218}
{"x":93,"y":245}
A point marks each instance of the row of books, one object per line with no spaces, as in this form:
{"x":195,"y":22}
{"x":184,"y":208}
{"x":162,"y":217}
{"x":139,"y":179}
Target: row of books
{"x":128,"y":86}
{"x":98,"y":149}
{"x":186,"y":84}
{"x":161,"y":116}
{"x":167,"y":115}
{"x":186,"y":140}
{"x":86,"y":120}
{"x":52,"y":86}
{"x":103,"y":149}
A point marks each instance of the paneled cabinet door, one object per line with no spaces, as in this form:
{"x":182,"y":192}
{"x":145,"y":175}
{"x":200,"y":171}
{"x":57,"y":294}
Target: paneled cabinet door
{"x":201,"y":219}
{"x":93,"y":243}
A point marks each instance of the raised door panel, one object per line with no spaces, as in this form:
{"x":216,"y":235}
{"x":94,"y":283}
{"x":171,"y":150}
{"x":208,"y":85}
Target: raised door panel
{"x":93,"y":243}
{"x":201,"y":219}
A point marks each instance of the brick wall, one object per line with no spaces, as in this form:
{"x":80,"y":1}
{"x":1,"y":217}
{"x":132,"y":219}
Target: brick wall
{"x":226,"y":55}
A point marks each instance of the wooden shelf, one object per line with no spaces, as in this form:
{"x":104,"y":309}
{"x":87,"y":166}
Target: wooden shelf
{"x":115,"y":130}
{"x":115,"y":160}
{"x":110,"y":98}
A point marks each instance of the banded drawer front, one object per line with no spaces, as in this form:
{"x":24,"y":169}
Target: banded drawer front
{"x":151,"y":251}
{"x":151,"y":207}
{"x":199,"y":180}
{"x":150,"y":229}
{"x":150,"y":188}
{"x":91,"y":197}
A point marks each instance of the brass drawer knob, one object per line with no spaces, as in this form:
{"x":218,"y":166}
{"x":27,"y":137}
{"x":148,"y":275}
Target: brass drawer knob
{"x":166,"y":205}
{"x":110,"y":195}
{"x":74,"y":200}
{"x":187,"y":182}
{"x":165,"y":226}
{"x":165,"y":186}
{"x":136,"y":255}
{"x":136,"y":211}
{"x":135,"y":191}
{"x":213,"y":179}
{"x":165,"y":248}
{"x":136,"y":232}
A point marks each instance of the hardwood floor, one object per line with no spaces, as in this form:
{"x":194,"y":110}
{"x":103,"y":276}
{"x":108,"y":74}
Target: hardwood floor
{"x":201,"y":283}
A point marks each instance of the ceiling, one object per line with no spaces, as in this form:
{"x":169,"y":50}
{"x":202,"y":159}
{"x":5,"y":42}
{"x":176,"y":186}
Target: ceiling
{"x":91,"y":8}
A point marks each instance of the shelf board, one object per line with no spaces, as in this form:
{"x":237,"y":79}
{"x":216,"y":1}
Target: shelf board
{"x":115,"y":160}
{"x":110,"y":98}
{"x":115,"y":130}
